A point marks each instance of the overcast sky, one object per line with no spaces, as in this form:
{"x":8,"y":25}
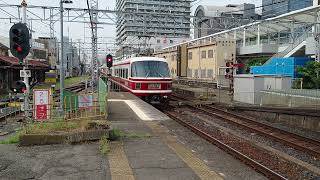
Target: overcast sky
{"x":78,"y":30}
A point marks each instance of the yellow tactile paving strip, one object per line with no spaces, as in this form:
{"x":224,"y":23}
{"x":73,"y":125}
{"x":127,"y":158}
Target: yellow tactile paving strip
{"x":196,"y":164}
{"x":119,"y":164}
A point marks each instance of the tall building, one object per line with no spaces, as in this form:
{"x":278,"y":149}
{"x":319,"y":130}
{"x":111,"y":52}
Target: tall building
{"x":152,"y":24}
{"x":272,"y":8}
{"x":213,"y":19}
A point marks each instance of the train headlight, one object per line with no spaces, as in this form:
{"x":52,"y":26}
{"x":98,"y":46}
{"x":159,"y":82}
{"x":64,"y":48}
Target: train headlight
{"x":138,"y":85}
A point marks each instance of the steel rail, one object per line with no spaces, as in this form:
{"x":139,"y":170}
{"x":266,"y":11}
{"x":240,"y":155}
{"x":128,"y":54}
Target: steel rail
{"x":247,"y":160}
{"x":298,"y":142}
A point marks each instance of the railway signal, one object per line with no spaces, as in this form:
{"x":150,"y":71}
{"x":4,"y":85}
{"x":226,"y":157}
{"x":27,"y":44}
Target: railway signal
{"x":20,"y":87}
{"x":19,"y":41}
{"x":109,"y":60}
{"x":229,"y":69}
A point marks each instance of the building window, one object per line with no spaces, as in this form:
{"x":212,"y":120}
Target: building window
{"x":203,"y":54}
{"x":171,"y":41}
{"x":210,"y":54}
{"x":158,"y":41}
{"x":210,"y":73}
{"x":196,"y":73}
{"x":189,"y":73}
{"x":203,"y":73}
{"x":190,"y":56}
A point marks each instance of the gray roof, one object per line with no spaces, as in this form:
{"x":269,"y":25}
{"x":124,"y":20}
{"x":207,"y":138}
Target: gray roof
{"x":3,"y":46}
{"x":215,"y":11}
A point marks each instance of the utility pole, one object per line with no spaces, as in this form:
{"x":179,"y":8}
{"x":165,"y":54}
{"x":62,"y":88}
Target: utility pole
{"x":62,"y":53}
{"x":25,"y":79}
{"x":61,"y":59}
{"x":94,"y":13}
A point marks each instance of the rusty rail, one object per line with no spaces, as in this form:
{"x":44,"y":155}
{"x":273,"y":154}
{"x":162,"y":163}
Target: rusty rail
{"x":247,"y":160}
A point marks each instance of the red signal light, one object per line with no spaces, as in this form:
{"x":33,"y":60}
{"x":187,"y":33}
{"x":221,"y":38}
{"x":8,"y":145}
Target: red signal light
{"x":19,"y":49}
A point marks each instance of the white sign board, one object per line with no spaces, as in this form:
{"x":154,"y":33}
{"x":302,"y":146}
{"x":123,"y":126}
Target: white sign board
{"x":41,"y":101}
{"x":85,"y":101}
{"x":25,"y":73}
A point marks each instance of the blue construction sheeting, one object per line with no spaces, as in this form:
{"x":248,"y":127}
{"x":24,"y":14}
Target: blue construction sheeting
{"x":281,"y":67}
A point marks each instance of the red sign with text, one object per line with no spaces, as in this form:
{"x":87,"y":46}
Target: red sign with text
{"x":41,"y":112}
{"x":41,"y":100}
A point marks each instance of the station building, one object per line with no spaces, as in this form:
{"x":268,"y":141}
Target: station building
{"x":201,"y":60}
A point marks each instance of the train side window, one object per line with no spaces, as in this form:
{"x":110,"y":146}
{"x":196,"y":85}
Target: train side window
{"x":203,"y":54}
{"x":190,"y":56}
{"x":127,"y":74}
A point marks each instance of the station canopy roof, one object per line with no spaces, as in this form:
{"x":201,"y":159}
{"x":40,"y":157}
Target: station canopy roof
{"x":14,"y":62}
{"x":306,"y":17}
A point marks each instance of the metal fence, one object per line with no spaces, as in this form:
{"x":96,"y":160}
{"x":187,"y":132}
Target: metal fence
{"x":75,"y":106}
{"x":286,"y":98}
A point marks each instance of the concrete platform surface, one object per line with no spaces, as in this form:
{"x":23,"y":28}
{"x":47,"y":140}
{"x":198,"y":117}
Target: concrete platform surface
{"x":53,"y":162}
{"x":167,"y":154}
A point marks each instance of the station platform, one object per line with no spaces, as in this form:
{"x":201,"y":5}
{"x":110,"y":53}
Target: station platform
{"x":154,"y":151}
{"x":152,"y":147}
{"x":203,"y":93}
{"x":152,"y":154}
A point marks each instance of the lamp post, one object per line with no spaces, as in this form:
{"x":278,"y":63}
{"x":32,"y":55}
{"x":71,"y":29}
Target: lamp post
{"x":61,"y":52}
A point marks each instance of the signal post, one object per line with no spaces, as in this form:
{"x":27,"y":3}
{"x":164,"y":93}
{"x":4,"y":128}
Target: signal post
{"x":20,"y":47}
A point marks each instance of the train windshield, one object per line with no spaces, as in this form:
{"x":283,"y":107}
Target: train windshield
{"x":150,"y":69}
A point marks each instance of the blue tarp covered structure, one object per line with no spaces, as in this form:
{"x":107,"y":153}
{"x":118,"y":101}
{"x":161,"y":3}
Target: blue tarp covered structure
{"x":281,"y":66}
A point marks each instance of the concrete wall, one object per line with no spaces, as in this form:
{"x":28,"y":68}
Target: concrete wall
{"x":295,"y":121}
{"x":257,"y":49}
{"x":247,"y":88}
{"x":243,"y":90}
{"x":290,"y":100}
{"x":311,"y":46}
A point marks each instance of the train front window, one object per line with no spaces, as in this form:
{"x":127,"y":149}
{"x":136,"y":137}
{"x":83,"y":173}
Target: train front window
{"x":150,"y":69}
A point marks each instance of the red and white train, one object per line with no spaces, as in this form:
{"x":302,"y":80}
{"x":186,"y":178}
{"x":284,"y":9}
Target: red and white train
{"x":145,"y":77}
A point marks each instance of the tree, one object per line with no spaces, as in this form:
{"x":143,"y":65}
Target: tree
{"x":311,"y":75}
{"x":255,"y":62}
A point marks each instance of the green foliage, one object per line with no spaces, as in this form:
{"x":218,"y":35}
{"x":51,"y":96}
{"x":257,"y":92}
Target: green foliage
{"x":137,"y":135}
{"x":51,"y":127}
{"x":72,"y":81}
{"x":104,"y":145}
{"x":311,"y":75}
{"x":255,"y":62}
{"x":115,"y":134}
{"x":14,"y":139}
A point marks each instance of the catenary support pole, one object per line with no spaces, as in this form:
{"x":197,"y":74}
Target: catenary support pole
{"x":62,"y":58}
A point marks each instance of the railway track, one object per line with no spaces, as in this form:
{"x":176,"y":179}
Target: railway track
{"x":75,"y":88}
{"x":280,"y":110}
{"x":247,"y":160}
{"x":298,"y":142}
